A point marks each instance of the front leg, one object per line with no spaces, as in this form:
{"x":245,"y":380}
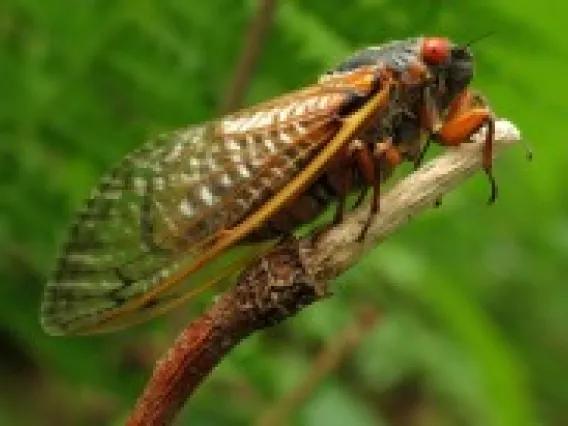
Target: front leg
{"x":467,"y":114}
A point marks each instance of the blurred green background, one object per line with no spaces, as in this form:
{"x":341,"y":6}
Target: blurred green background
{"x":472,"y":301}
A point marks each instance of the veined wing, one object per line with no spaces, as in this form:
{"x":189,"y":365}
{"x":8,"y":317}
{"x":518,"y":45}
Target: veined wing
{"x":171,"y":212}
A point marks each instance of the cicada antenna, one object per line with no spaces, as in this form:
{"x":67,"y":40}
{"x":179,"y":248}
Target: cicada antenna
{"x":479,"y":38}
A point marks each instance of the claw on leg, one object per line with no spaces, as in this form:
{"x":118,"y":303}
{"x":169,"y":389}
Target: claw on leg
{"x":366,"y":163}
{"x":418,"y":161}
{"x":488,"y":157}
{"x":361,"y":197}
{"x":374,"y":204}
{"x":494,"y":188}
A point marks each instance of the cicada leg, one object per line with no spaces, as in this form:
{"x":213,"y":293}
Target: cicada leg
{"x":358,"y":151}
{"x":420,"y":158}
{"x":361,"y":197}
{"x":466,"y":115}
{"x":369,"y":163}
{"x":343,"y":192}
{"x":430,"y":122}
{"x":355,"y":156}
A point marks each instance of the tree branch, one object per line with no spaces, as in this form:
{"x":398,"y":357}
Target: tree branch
{"x":295,"y":274}
{"x":249,"y":56}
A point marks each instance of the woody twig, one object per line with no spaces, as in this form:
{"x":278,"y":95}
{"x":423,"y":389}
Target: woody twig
{"x":251,"y":51}
{"x":295,"y":274}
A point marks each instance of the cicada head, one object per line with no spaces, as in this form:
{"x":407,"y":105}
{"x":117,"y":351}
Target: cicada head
{"x":451,"y":65}
{"x":460,"y":69}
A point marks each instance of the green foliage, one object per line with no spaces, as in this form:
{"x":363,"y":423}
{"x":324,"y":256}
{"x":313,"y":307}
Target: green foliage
{"x":474,"y":299}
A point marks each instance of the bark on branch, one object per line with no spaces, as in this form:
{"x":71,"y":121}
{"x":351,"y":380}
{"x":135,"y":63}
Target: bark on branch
{"x":295,"y":274}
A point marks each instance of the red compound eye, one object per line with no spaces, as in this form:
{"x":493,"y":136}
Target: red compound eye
{"x":435,"y":50}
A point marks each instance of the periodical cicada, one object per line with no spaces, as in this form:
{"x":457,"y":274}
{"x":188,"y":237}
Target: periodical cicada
{"x":192,"y":207}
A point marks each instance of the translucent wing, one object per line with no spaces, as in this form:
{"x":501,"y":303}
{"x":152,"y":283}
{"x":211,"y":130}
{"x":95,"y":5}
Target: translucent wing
{"x":165,"y":222}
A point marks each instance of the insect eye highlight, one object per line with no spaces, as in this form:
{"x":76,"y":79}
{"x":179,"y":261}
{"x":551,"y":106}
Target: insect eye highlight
{"x":435,"y":50}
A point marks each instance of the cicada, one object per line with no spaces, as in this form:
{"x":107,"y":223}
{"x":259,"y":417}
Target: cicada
{"x":193,"y":207}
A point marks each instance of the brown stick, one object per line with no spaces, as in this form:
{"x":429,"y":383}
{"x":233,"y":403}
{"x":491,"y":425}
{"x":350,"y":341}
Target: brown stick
{"x":295,"y":274}
{"x":251,"y":51}
{"x":274,"y":289}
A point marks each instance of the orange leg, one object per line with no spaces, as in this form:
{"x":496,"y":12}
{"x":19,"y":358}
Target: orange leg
{"x":429,"y":115}
{"x":366,"y":163}
{"x":370,"y":165}
{"x":346,"y":184}
{"x":430,"y":120}
{"x":359,"y":156}
{"x":359,"y":153}
{"x":464,"y":120}
{"x":343,"y":161}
